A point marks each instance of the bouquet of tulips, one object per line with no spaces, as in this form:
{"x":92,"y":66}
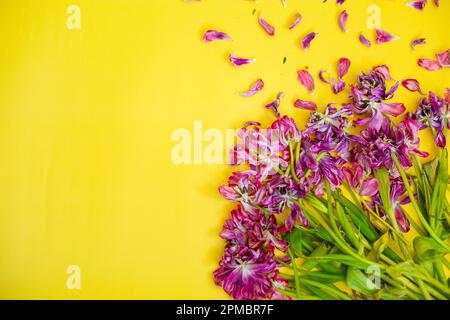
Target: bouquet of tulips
{"x":320,"y":212}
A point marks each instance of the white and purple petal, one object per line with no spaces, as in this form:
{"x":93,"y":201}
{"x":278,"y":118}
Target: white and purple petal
{"x":306,"y":80}
{"x":417,"y":42}
{"x":343,"y":18}
{"x":256,"y":87}
{"x":364,"y":40}
{"x":306,"y":42}
{"x":237,"y":61}
{"x":384,"y":36}
{"x":212,"y":35}
{"x":412,"y":85}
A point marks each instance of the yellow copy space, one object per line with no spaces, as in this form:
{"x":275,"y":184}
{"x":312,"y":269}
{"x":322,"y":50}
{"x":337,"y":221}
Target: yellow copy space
{"x":86,"y":117}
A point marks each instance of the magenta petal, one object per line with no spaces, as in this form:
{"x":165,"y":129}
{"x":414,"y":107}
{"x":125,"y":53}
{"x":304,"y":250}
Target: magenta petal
{"x":364,"y":40}
{"x":322,"y":78}
{"x":240,"y":61}
{"x":307,"y":80}
{"x":306,"y":42}
{"x":436,"y":3}
{"x":270,"y":30}
{"x":343,"y":66}
{"x":440,"y":139}
{"x":255,"y":88}
{"x":393,"y":109}
{"x":307,"y":105}
{"x":419,"y":5}
{"x":343,"y":17}
{"x":383,"y":36}
{"x":298,"y":19}
{"x":383,"y":70}
{"x":369,"y":187}
{"x":429,"y":65}
{"x":212,"y":35}
{"x":444,"y":58}
{"x":274,"y":105}
{"x":412,"y":85}
{"x":338,"y":86}
{"x":417,"y":42}
{"x":340,"y":2}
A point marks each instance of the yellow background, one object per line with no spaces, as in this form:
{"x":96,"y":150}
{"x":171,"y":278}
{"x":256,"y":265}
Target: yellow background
{"x":86,"y":117}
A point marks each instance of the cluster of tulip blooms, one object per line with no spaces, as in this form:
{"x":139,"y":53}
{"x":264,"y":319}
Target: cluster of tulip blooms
{"x":324,"y":206}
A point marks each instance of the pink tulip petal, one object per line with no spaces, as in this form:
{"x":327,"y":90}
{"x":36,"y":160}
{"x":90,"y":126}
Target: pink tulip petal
{"x":429,"y":65}
{"x":340,"y":2}
{"x":436,"y":3}
{"x":343,"y":66}
{"x":417,"y":42}
{"x":212,"y":35}
{"x":412,"y":85}
{"x":419,"y":5}
{"x":298,"y":19}
{"x":255,"y":88}
{"x":322,"y":78}
{"x":236,"y":61}
{"x":270,"y":30}
{"x":274,"y":105}
{"x":306,"y":42}
{"x":383,"y":70}
{"x":444,"y":58}
{"x":338,"y":86}
{"x":306,"y":80}
{"x":383,"y":36}
{"x":393,"y":109}
{"x":440,"y":139}
{"x":343,"y":17}
{"x":306,"y":105}
{"x":364,"y":40}
{"x":369,"y":187}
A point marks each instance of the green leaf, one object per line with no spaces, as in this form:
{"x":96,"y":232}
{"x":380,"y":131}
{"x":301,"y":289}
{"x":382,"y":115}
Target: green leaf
{"x":427,"y":249}
{"x":378,"y":247}
{"x":319,"y":251}
{"x":358,"y":281}
{"x":344,"y":259}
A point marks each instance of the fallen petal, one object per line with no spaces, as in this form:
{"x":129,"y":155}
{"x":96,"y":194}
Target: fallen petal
{"x":240,"y":61}
{"x":338,"y":86}
{"x":444,"y":58}
{"x":306,"y":105}
{"x":412,"y":85}
{"x":393,"y":109}
{"x":369,"y":187}
{"x":298,"y":19}
{"x":417,"y":42}
{"x":436,"y":3}
{"x":306,"y":42}
{"x":383,"y":70}
{"x":429,"y":65}
{"x":343,"y":17}
{"x":340,"y":2}
{"x":270,"y":30}
{"x":383,"y":36}
{"x":364,"y":40}
{"x":306,"y":80}
{"x":343,"y":66}
{"x":419,"y":5}
{"x":212,"y":35}
{"x":322,"y":78}
{"x":255,"y":88}
{"x":274,"y":105}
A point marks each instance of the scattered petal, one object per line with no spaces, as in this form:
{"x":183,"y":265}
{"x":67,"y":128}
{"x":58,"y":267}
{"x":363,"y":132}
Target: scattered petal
{"x":383,"y":70}
{"x":298,"y":19}
{"x":444,"y":58}
{"x":419,"y":5}
{"x":212,"y":35}
{"x":306,"y":80}
{"x":274,"y":105}
{"x":429,"y":65}
{"x":340,"y":2}
{"x":393,"y":109}
{"x":343,"y":17}
{"x":255,"y":88}
{"x":270,"y":30}
{"x":436,"y":3}
{"x":306,"y":105}
{"x":322,"y":78}
{"x":364,"y":40}
{"x":240,"y":61}
{"x":306,"y":42}
{"x":383,"y":36}
{"x":343,"y":66}
{"x":417,"y":42}
{"x":338,"y":86}
{"x":412,"y":85}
